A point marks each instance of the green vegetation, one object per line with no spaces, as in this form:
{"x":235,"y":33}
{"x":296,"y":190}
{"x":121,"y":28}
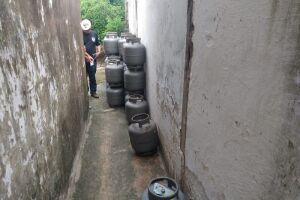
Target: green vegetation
{"x":117,"y":2}
{"x":105,"y":15}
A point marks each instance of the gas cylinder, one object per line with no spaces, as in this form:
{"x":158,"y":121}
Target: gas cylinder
{"x":135,"y":105}
{"x":128,"y":93}
{"x":113,"y":57}
{"x":121,"y":42}
{"x":114,"y":73}
{"x":134,"y":80}
{"x":134,"y":52}
{"x":111,"y":44}
{"x":115,"y":96}
{"x":163,"y":188}
{"x":135,"y":67}
{"x":143,"y":134}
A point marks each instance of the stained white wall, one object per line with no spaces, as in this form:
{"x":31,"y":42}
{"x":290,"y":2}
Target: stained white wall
{"x":132,"y":16}
{"x":165,"y":44}
{"x":244,"y":104}
{"x":43,"y":102}
{"x":243,"y":127}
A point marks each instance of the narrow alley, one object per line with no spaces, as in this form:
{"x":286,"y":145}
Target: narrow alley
{"x":219,"y":79}
{"x":108,"y":167}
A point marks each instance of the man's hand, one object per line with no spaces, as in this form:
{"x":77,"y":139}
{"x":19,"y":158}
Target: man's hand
{"x":88,"y":58}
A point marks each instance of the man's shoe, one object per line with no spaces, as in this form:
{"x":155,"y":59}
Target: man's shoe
{"x":95,"y":95}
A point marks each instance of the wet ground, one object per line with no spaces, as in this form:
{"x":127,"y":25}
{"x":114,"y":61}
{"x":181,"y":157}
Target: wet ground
{"x":106,"y":167}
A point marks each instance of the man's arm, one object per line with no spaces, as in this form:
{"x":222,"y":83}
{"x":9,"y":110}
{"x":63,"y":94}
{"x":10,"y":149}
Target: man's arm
{"x":98,"y":47}
{"x":98,"y":51}
{"x":87,"y":56}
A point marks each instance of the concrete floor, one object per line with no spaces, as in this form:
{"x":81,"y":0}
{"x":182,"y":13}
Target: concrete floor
{"x":106,"y":166}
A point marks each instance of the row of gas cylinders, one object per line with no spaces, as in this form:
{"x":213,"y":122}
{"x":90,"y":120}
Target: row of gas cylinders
{"x":142,"y":129}
{"x":122,"y":82}
{"x":124,"y":67}
{"x":126,"y":83}
{"x":127,"y":46}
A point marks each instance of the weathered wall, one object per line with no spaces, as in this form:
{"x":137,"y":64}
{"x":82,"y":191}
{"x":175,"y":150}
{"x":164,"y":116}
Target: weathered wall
{"x":43,"y":105}
{"x":243,"y":109}
{"x":244,"y":104}
{"x":161,"y":24}
{"x":132,"y":15}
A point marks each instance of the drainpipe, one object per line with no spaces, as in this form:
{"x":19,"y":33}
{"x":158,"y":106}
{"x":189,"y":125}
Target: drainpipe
{"x":186,"y":85}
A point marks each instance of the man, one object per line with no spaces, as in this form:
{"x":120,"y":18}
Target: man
{"x":92,"y":52}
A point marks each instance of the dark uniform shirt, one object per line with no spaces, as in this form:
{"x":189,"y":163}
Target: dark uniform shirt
{"x":91,"y":40}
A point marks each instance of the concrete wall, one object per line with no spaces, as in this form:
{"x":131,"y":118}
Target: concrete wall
{"x":43,"y":106}
{"x":154,"y":23}
{"x":243,"y":126}
{"x":132,"y":15}
{"x":243,"y":109}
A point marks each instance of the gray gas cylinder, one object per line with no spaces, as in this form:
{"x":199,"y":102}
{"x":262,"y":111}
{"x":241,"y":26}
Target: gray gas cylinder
{"x":112,"y":57}
{"x":111,"y":44}
{"x":121,"y":42}
{"x":135,"y":105}
{"x":135,"y":67}
{"x":143,"y":135}
{"x":114,"y":73}
{"x":134,"y":52}
{"x":128,"y":94}
{"x":163,"y":188}
{"x":115,"y":96}
{"x":134,"y":80}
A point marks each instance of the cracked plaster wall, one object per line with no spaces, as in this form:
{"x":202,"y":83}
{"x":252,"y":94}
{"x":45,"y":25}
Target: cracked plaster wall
{"x":165,"y":42}
{"x":243,"y":127}
{"x":43,"y":107}
{"x":242,"y":139}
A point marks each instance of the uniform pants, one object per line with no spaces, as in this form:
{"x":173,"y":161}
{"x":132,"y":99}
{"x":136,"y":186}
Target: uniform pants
{"x":91,"y":72}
